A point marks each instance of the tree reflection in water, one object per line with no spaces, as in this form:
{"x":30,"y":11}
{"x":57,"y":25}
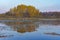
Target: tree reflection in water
{"x":23,"y":27}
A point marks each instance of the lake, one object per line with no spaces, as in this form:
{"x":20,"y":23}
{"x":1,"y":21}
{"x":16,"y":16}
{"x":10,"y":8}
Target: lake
{"x":39,"y":30}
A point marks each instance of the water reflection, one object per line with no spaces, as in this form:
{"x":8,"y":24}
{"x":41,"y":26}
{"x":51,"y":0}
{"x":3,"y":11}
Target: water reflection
{"x":23,"y":27}
{"x":44,"y":30}
{"x":52,"y":33}
{"x":4,"y":36}
{"x":5,"y":31}
{"x":52,"y":22}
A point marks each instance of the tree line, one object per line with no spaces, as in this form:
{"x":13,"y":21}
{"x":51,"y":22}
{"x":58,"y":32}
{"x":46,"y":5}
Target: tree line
{"x":23,"y":11}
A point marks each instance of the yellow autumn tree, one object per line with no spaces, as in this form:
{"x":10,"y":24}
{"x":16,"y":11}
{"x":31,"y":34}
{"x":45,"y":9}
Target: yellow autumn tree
{"x":25,"y":11}
{"x":33,"y":11}
{"x":20,"y":10}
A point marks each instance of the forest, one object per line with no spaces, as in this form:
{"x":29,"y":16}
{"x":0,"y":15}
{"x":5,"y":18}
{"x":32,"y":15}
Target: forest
{"x":24,"y":11}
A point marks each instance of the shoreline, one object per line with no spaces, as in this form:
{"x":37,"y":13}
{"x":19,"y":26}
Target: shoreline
{"x":29,"y":18}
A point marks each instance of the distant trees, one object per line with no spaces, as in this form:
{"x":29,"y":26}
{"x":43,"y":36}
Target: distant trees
{"x":51,"y":15}
{"x":24,"y":11}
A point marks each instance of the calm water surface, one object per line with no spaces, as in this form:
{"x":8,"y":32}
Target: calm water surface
{"x":43,"y":30}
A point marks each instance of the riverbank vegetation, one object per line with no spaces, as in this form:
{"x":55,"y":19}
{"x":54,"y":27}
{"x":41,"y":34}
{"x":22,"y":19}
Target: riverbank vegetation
{"x":23,"y":11}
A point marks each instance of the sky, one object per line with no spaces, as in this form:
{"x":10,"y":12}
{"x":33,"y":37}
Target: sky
{"x":42,"y":5}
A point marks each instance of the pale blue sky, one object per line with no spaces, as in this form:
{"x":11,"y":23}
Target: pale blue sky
{"x":42,"y":5}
